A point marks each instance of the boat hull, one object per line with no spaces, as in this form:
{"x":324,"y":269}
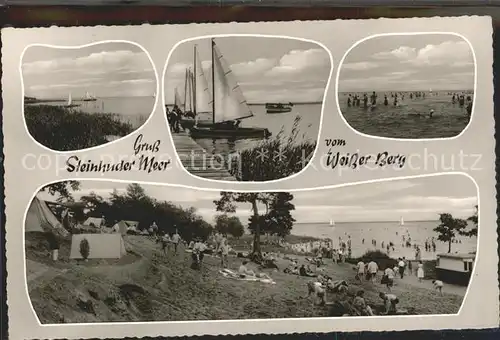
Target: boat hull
{"x":453,"y":277}
{"x":239,"y":133}
{"x":89,"y":100}
{"x":189,"y":123}
{"x":283,"y":110}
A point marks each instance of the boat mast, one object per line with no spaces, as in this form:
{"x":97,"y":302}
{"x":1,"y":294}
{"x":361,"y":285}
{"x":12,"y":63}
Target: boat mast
{"x":185,"y":90}
{"x":194,"y":81}
{"x":213,"y":81}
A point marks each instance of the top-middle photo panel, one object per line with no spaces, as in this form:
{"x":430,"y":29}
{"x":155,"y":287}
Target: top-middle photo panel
{"x":245,"y":108}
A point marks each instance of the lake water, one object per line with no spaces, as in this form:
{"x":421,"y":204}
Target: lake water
{"x":308,"y":127}
{"x":132,"y":110}
{"x":401,"y":121}
{"x":385,"y":232}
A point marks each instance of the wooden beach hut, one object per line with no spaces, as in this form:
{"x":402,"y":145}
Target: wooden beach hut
{"x":455,"y":268}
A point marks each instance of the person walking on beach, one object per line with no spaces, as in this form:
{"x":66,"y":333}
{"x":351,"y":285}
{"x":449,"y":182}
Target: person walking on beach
{"x":176,"y":238}
{"x":388,"y":278}
{"x":360,"y":273}
{"x":165,"y":240}
{"x":401,"y":267}
{"x":372,"y":270}
{"x":224,"y":253}
{"x":420,"y":271}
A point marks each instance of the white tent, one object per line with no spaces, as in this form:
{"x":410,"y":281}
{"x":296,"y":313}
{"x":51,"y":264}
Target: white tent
{"x":40,"y":218}
{"x":101,"y":246}
{"x":123,"y":226}
{"x":94,"y":222}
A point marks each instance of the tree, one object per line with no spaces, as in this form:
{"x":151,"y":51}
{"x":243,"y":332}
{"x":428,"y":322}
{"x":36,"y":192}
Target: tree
{"x":258,"y":222}
{"x":474,"y":220}
{"x":232,"y":225}
{"x":235,"y":227}
{"x":449,"y":228}
{"x":63,"y":189}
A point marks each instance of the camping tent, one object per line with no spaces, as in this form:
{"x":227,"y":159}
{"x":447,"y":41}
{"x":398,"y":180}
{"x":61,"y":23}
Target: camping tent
{"x":102,"y":246}
{"x":40,"y":218}
{"x":123,"y":226}
{"x":94,"y":221}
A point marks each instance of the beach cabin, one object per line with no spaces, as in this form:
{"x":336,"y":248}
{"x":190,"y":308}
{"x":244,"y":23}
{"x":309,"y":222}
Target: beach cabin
{"x":455,"y":268}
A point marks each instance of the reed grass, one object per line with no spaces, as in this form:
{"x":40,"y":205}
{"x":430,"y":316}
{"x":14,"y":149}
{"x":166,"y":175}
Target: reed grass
{"x":275,"y":158}
{"x":64,"y":129}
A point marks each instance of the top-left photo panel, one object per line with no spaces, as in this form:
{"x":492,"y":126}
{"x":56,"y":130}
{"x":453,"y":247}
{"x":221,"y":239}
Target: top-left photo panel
{"x":81,"y":97}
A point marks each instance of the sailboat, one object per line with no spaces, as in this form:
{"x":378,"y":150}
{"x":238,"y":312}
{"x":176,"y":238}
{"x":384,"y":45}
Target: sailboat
{"x":402,"y":222}
{"x":70,"y":102}
{"x":89,"y":98}
{"x":229,"y":105}
{"x":332,"y":222}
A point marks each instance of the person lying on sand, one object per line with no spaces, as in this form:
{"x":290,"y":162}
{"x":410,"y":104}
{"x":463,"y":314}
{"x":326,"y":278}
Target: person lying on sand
{"x":390,"y":302}
{"x":304,"y":272}
{"x":316,"y":289}
{"x":245,"y":272}
{"x":338,"y":286}
{"x":438,"y":285}
{"x":360,"y":306}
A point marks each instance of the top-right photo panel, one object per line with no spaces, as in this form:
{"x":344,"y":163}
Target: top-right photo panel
{"x":408,"y":86}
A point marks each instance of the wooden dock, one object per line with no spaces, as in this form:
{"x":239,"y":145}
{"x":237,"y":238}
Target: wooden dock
{"x":197,"y":161}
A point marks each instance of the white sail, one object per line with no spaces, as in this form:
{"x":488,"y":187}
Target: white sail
{"x":188,"y":95}
{"x":332,"y":222}
{"x":69,"y":99}
{"x":402,"y":222}
{"x":230,"y":104}
{"x":177,"y":98}
{"x":203,"y":95}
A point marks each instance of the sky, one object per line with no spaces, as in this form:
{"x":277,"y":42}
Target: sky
{"x":408,"y":63}
{"x":414,"y":199}
{"x":104,"y":70}
{"x":267,"y":69}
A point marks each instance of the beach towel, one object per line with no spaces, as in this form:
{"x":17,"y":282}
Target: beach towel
{"x":228,"y":273}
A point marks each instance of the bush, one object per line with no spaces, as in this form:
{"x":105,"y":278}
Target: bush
{"x":61,"y":129}
{"x":84,"y":248}
{"x":284,"y":157}
{"x":382,"y":259}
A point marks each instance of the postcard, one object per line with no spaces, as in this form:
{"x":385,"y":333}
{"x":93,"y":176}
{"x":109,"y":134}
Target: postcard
{"x":250,"y":178}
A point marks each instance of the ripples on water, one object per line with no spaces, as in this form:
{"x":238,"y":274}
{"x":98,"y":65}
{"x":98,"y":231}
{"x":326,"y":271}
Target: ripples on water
{"x":385,"y":232}
{"x":391,"y":121}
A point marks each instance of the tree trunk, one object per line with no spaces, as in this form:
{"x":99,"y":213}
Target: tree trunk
{"x":256,"y":235}
{"x":449,"y":246}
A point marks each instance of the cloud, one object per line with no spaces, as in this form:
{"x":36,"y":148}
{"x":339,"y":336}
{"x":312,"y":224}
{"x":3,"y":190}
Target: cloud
{"x":360,"y":66}
{"x":402,"y":52}
{"x":455,"y":53}
{"x":300,"y":75}
{"x":94,"y":63}
{"x":298,"y":61}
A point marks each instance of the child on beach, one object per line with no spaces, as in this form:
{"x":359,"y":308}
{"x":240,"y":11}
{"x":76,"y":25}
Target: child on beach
{"x":360,"y":305}
{"x":420,"y":271}
{"x":438,"y":285}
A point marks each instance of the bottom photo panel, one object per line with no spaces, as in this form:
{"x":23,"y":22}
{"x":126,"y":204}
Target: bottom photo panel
{"x":104,"y":251}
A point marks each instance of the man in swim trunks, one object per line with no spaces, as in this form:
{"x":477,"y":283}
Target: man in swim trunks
{"x":390,"y":302}
{"x":389,"y":278}
{"x":438,"y":285}
{"x":316,"y":288}
{"x":176,"y":238}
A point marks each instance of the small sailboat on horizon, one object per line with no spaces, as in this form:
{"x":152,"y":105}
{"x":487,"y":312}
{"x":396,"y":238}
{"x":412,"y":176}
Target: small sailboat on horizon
{"x":89,"y":98}
{"x":332,"y":222}
{"x":70,"y":102}
{"x":401,"y":221}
